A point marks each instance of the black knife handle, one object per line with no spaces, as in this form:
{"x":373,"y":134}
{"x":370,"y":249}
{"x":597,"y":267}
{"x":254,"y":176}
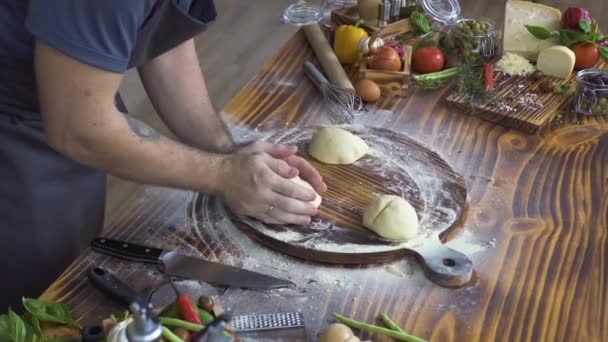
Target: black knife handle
{"x":113,"y":286}
{"x":126,"y":250}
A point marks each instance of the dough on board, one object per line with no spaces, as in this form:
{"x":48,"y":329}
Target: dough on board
{"x":317,"y":201}
{"x":391,"y":217}
{"x":337,"y":146}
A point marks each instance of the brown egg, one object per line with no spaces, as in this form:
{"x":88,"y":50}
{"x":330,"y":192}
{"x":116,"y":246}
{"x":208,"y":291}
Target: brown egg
{"x":368,"y":90}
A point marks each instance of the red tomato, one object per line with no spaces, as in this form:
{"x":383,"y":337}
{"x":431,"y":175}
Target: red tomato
{"x":427,"y":59}
{"x":586,"y":54}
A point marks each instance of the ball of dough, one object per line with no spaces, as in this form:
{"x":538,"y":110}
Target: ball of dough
{"x":391,"y":217}
{"x":336,"y":332}
{"x":317,"y":201}
{"x":337,"y":146}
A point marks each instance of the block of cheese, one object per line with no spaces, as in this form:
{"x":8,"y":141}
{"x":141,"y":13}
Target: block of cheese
{"x":517,"y":39}
{"x":557,"y":61}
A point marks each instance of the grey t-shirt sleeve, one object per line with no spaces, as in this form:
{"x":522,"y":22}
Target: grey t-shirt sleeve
{"x":101,"y":33}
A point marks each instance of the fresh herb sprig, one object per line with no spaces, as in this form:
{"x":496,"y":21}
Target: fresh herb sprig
{"x":420,"y":22}
{"x":469,"y":84}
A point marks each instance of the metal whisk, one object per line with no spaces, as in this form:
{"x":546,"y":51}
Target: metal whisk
{"x":342,"y":104}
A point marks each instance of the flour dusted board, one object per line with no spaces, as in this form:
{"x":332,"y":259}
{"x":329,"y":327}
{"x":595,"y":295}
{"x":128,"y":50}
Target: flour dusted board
{"x":520,"y":104}
{"x":395,"y":165}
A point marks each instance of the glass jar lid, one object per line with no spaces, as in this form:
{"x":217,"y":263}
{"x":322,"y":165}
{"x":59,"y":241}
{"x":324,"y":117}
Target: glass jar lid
{"x":444,"y":11}
{"x":305,"y":12}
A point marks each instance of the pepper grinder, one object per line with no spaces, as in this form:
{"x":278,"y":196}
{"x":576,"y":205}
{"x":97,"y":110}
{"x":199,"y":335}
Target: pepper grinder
{"x":145,"y":326}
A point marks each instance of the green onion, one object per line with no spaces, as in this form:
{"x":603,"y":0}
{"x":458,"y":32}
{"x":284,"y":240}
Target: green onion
{"x":170,"y":336}
{"x":389,"y":323}
{"x":376,"y":329}
{"x":178,"y":323}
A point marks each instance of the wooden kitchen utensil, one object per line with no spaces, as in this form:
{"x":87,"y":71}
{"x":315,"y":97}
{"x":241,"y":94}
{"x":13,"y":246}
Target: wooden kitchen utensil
{"x":395,"y":165}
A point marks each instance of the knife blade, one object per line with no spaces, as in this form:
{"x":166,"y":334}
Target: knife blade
{"x":176,"y":264}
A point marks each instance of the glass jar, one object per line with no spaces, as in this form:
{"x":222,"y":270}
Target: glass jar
{"x":473,"y":39}
{"x":305,"y":12}
{"x":591,"y":92}
{"x":468,"y":40}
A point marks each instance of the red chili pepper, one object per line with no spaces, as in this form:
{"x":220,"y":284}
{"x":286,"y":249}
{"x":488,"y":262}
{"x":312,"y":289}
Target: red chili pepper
{"x":488,"y":76}
{"x":186,"y":308}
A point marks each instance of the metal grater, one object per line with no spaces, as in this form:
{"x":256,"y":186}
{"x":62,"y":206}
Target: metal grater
{"x":267,"y":321}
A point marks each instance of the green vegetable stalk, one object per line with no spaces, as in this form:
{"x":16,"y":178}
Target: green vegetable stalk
{"x":178,"y":323}
{"x":170,"y":336}
{"x":379,"y":330}
{"x":392,"y":325}
{"x":435,"y":80}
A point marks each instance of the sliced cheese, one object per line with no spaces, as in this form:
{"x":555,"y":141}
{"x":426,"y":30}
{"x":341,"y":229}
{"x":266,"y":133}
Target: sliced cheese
{"x":517,"y":39}
{"x":556,"y":61}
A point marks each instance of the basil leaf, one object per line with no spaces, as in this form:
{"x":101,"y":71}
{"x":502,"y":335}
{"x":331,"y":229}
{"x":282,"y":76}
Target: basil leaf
{"x":603,"y":51}
{"x":48,"y":311}
{"x":16,"y":327}
{"x":539,"y":32}
{"x":420,"y":21}
{"x":585,"y":26}
{"x":571,"y":37}
{"x":4,"y":328}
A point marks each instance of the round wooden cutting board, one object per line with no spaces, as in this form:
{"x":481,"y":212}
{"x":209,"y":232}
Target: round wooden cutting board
{"x":395,"y":165}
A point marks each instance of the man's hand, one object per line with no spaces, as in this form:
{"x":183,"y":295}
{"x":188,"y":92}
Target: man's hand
{"x":288,"y":153}
{"x":256,"y":183}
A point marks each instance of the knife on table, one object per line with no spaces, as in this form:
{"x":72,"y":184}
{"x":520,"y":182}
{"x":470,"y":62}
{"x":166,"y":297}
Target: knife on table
{"x":178,"y":265}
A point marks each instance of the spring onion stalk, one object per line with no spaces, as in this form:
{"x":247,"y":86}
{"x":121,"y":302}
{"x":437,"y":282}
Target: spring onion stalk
{"x":439,"y":75}
{"x":170,"y":336}
{"x":376,"y":329}
{"x":178,"y":323}
{"x":392,"y":325}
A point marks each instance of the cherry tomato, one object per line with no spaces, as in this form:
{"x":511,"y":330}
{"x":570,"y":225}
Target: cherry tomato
{"x":586,"y":54}
{"x":427,"y":59}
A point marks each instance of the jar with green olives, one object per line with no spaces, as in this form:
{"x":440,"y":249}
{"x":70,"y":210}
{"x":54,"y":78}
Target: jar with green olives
{"x":591,"y":92}
{"x":474,"y":40}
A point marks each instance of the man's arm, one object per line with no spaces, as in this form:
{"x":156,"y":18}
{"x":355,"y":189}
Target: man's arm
{"x":176,"y":87}
{"x":82,"y":122}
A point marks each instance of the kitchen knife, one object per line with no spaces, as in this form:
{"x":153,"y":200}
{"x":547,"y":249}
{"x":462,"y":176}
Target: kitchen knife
{"x":176,"y":264}
{"x":113,"y":286}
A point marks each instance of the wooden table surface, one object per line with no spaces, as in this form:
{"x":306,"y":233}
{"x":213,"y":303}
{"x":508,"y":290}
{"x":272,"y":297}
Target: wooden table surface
{"x":536,"y":227}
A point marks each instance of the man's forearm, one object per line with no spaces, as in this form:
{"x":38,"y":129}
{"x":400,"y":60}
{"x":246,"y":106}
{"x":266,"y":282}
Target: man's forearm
{"x":130,"y":149}
{"x":175,"y":85}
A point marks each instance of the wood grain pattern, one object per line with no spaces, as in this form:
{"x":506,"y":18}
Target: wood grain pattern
{"x":521,"y":105}
{"x":542,"y":198}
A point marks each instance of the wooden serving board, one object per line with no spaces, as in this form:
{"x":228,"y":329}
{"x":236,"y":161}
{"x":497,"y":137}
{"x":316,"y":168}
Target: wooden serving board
{"x":394,"y":165}
{"x":521,"y":105}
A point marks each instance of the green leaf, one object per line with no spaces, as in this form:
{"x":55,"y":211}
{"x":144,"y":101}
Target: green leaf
{"x":603,"y":51}
{"x":571,"y":37}
{"x":16,"y":327}
{"x":561,"y":89}
{"x":48,"y":311}
{"x":420,"y":21}
{"x":585,"y":26}
{"x":4,"y":327}
{"x":539,"y":32}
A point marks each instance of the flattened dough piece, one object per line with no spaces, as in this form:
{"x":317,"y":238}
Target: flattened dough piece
{"x":317,"y":201}
{"x":336,"y":146}
{"x":391,"y":217}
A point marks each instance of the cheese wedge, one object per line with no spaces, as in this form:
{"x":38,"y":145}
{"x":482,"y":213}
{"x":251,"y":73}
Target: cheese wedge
{"x":557,"y":61}
{"x":517,"y":39}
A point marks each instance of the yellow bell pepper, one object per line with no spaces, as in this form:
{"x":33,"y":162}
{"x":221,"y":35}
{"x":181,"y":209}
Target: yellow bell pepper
{"x":346,"y":39}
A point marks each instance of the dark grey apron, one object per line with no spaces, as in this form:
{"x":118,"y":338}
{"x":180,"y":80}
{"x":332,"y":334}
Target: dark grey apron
{"x":51,"y":206}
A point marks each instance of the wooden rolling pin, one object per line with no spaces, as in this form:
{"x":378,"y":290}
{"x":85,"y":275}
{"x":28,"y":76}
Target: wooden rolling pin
{"x":329,"y":62}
